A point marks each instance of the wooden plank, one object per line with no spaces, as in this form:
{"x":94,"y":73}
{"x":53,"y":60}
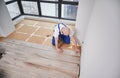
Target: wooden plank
{"x":15,"y":72}
{"x":70,"y":69}
{"x":48,"y":48}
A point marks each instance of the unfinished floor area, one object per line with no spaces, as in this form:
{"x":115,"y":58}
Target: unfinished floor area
{"x":29,"y":53}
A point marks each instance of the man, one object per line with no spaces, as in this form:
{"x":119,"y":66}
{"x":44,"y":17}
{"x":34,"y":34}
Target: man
{"x":64,"y":33}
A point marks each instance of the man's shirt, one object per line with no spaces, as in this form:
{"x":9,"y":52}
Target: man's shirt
{"x":56,"y":30}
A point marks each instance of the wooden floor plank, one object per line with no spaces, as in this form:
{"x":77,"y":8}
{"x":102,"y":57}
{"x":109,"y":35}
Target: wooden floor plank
{"x":48,"y":48}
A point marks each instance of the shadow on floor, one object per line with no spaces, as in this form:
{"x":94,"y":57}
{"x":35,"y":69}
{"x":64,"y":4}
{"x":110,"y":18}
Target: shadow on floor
{"x":2,"y":74}
{"x":2,"y":52}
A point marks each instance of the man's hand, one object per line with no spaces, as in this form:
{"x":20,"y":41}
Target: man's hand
{"x":77,"y":50}
{"x":60,"y":50}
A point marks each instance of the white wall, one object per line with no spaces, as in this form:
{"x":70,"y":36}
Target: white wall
{"x":6,"y":24}
{"x":43,"y":19}
{"x":83,"y":15}
{"x":101,"y":49}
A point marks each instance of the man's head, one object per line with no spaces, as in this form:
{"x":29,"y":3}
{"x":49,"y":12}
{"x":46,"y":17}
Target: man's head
{"x":65,"y":31}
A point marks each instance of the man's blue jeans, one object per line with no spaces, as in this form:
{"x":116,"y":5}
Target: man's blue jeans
{"x":65,"y":39}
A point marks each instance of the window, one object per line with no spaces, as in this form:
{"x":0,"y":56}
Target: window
{"x":61,"y":9}
{"x":69,"y":11}
{"x":30,"y":7}
{"x":13,"y":9}
{"x":49,"y":9}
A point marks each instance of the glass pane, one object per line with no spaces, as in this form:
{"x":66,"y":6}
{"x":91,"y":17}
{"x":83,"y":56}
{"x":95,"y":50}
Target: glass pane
{"x":30,"y":7}
{"x":49,"y":0}
{"x":49,"y":9}
{"x":7,"y":0}
{"x":13,"y":9}
{"x":71,"y":0}
{"x":69,"y":11}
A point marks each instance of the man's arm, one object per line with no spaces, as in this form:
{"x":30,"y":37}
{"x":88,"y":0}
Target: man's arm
{"x":75,"y":43}
{"x":57,"y":46}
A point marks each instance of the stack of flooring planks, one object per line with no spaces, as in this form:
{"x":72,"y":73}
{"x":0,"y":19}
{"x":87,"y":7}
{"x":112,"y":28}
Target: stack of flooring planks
{"x":28,"y":60}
